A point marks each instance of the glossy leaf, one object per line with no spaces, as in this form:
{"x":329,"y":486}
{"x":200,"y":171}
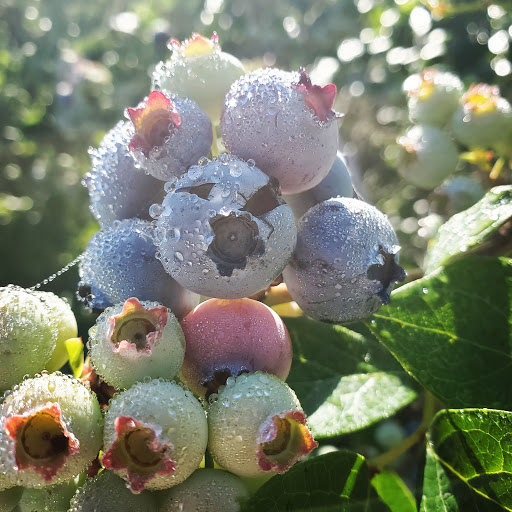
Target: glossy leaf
{"x":345,"y":381}
{"x":451,"y":331}
{"x":393,"y":492}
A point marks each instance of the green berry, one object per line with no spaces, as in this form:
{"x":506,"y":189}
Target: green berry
{"x":52,"y":498}
{"x":28,"y":334}
{"x":9,"y":498}
{"x":135,"y":340}
{"x":256,"y":426}
{"x":50,"y":430}
{"x":155,"y":435}
{"x":206,"y":490}
{"x":107,"y":492}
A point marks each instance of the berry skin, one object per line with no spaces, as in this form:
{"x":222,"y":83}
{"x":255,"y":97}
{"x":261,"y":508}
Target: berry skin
{"x":171,"y":134}
{"x":483,"y":119}
{"x":428,"y":156}
{"x":223,"y":229}
{"x":338,"y":183}
{"x":285,"y":124}
{"x":433,"y":97}
{"x":228,"y":337}
{"x":51,"y":498}
{"x":108,"y":492}
{"x":50,"y":430}
{"x":61,"y":313}
{"x":120,"y":263}
{"x":155,"y":435}
{"x":257,"y":426}
{"x":344,"y":265}
{"x":117,"y":189}
{"x":135,"y":340}
{"x":199,"y":70}
{"x":206,"y":490}
{"x":28,"y":334}
{"x":9,"y":498}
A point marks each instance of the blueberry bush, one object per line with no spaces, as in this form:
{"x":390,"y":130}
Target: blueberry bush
{"x":234,"y":325}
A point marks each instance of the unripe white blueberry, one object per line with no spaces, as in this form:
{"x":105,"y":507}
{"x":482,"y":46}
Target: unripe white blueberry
{"x":345,"y":262}
{"x":285,"y":124}
{"x":256,"y":425}
{"x":28,"y":334}
{"x":199,"y":70}
{"x":207,"y":490}
{"x":134,"y":340}
{"x":50,"y":430}
{"x":428,"y":156}
{"x":223,"y":229}
{"x":155,"y":435}
{"x":108,"y":492}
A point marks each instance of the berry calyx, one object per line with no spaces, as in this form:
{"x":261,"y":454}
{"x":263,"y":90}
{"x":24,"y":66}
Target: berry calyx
{"x":195,"y":46}
{"x":319,"y":99}
{"x":154,"y":121}
{"x":283,"y":439}
{"x":481,"y":98}
{"x":41,"y":440}
{"x":138,"y":450}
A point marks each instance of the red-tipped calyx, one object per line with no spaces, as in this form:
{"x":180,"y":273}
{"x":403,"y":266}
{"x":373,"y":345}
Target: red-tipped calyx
{"x":138,"y":451}
{"x":481,"y":98}
{"x":196,"y":45}
{"x":41,"y":440}
{"x":136,"y":329}
{"x":319,"y":99}
{"x":283,"y":439}
{"x":154,"y":122}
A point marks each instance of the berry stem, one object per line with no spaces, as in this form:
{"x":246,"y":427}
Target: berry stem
{"x":215,"y":147}
{"x":497,"y":168}
{"x":418,"y":436}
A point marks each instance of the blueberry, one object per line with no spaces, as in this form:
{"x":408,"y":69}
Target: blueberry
{"x":223,"y":229}
{"x":344,"y":265}
{"x":117,"y":189}
{"x":199,"y":70}
{"x":433,"y":96}
{"x":228,"y":337}
{"x":428,"y":156}
{"x":284,"y":123}
{"x":171,"y":133}
{"x":337,"y":183}
{"x":120,"y":262}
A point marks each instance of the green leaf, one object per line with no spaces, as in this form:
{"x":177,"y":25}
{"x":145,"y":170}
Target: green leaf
{"x":345,"y":381}
{"x":469,"y":462}
{"x":393,"y":492}
{"x":75,"y":350}
{"x":336,"y":482}
{"x":451,"y":331}
{"x":471,"y":229}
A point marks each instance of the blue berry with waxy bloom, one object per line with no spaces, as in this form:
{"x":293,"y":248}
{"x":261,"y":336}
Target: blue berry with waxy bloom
{"x":285,"y":124}
{"x":155,"y":435}
{"x":428,"y":156}
{"x":338,"y":183}
{"x":136,"y":340}
{"x":120,"y":263}
{"x":256,"y":426}
{"x":171,"y":134}
{"x":199,"y":70}
{"x":223,"y":229}
{"x":117,"y":188}
{"x":50,"y":430}
{"x":345,"y":262}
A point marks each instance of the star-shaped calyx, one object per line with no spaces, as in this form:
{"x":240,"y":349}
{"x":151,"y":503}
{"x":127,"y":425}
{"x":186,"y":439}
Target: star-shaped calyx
{"x":154,"y":121}
{"x":136,"y":329}
{"x":195,"y":46}
{"x":319,"y":99}
{"x":481,"y":98}
{"x":138,"y":451}
{"x":283,"y":439}
{"x":387,"y":272}
{"x":41,"y":440}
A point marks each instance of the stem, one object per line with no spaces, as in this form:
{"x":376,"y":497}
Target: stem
{"x":496,"y":170}
{"x":208,"y":459}
{"x":417,"y":436}
{"x":215,"y":147}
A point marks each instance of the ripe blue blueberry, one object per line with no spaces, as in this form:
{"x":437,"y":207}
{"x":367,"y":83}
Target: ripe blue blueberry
{"x":344,"y":265}
{"x":120,"y":263}
{"x":285,"y":124}
{"x":223,"y":229}
{"x":117,"y":189}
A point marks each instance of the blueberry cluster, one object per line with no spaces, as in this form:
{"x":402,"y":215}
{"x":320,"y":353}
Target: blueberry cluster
{"x":446,"y":120}
{"x":186,"y":244}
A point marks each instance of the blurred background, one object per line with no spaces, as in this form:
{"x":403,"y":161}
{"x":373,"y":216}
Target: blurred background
{"x":69,"y":69}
